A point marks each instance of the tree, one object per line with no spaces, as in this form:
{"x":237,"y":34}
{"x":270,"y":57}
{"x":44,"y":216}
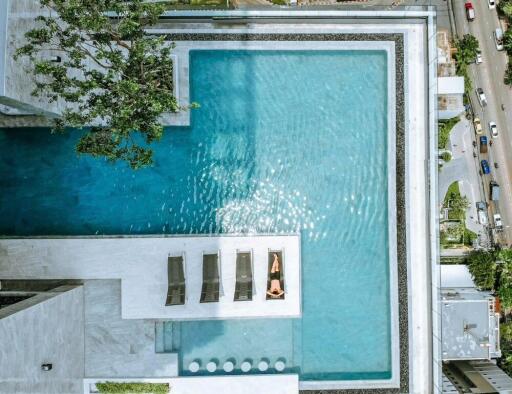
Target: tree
{"x":446,"y":156}
{"x":482,"y":266}
{"x":456,"y":231}
{"x":127,"y":88}
{"x":508,"y":75}
{"x":506,"y":8}
{"x":507,"y":41}
{"x":459,"y":204}
{"x":467,"y":48}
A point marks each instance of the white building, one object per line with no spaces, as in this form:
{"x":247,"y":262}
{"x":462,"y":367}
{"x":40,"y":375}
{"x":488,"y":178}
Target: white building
{"x":450,"y":96}
{"x":470,"y":335}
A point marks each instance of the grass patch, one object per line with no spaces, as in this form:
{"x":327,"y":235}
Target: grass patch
{"x":452,"y":193}
{"x":445,"y":127}
{"x":132,"y":388}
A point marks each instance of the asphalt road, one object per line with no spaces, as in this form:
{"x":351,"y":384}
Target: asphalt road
{"x":489,"y":76}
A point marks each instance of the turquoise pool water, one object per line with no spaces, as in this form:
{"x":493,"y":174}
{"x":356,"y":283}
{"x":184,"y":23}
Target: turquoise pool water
{"x":283,"y":142}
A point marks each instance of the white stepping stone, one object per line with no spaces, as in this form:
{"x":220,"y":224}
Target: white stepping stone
{"x":193,"y":367}
{"x":228,"y":366}
{"x":211,"y":366}
{"x":262,"y":365}
{"x":279,"y":366}
{"x":246,"y":366}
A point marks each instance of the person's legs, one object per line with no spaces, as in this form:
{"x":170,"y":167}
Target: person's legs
{"x":275,"y":264}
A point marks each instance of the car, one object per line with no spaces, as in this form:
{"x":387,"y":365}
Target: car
{"x":492,"y":4}
{"x":497,"y":221}
{"x":470,"y":11}
{"x":483,"y":144}
{"x":498,"y":39}
{"x":485,"y":167}
{"x":478,"y":59}
{"x":493,"y":129}
{"x":482,"y":212}
{"x":478,"y":126}
{"x":481,"y":97}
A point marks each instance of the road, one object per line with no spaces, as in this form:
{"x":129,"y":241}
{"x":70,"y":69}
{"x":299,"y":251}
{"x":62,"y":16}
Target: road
{"x":489,"y":76}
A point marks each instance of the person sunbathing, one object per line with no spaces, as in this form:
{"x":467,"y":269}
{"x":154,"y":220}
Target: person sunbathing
{"x":275,"y":279}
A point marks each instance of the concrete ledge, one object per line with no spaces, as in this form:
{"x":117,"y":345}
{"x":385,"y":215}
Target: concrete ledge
{"x":141,"y":264}
{"x":255,"y":384}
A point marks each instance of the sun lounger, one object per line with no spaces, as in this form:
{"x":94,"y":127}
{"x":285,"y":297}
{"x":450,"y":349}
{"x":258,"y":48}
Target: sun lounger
{"x":210,"y":288}
{"x":243,"y":287}
{"x":281,"y":273}
{"x":176,"y":281}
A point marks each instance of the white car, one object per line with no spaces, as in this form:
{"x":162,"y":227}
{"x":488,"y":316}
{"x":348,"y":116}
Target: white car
{"x":481,"y":97}
{"x":493,"y":129}
{"x":478,"y":59}
{"x":492,"y":4}
{"x":498,"y":38}
{"x":497,"y":221}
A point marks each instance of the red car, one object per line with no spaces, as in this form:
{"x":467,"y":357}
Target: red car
{"x":470,"y":11}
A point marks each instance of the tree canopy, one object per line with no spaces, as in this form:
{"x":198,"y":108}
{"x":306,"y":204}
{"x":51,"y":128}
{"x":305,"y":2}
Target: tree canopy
{"x":482,"y":266}
{"x":113,"y":76}
{"x":467,"y":49}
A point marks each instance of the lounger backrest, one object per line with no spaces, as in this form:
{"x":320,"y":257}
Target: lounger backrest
{"x":210,"y":267}
{"x":210,"y":288}
{"x":176,"y":281}
{"x":243,"y":287}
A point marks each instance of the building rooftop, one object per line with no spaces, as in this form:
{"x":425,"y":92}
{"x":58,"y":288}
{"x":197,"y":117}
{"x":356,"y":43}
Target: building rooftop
{"x":470,"y":326}
{"x":456,"y":275}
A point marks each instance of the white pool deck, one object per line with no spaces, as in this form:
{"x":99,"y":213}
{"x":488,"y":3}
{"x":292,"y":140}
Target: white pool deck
{"x":249,"y":384}
{"x":141,"y":264}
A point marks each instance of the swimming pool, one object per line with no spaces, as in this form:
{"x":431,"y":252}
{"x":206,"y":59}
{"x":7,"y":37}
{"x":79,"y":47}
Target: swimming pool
{"x":283,"y":142}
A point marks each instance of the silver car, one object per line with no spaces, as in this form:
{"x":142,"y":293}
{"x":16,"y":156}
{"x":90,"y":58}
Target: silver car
{"x":481,"y":97}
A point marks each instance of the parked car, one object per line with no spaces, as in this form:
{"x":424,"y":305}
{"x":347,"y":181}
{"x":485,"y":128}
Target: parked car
{"x":482,"y":212}
{"x":483,"y":144}
{"x":495,"y":190}
{"x":492,"y":4}
{"x":497,"y":221}
{"x":498,"y":39}
{"x":481,"y":97}
{"x":485,"y":167}
{"x":470,"y":11}
{"x":493,"y":129}
{"x":478,"y":126}
{"x":478,"y":59}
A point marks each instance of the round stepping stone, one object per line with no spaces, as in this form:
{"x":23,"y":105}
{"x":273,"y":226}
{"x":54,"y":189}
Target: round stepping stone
{"x":246,"y":366}
{"x":262,"y":365}
{"x":279,"y":366}
{"x":193,"y":367}
{"x":228,"y":366}
{"x":211,"y":366}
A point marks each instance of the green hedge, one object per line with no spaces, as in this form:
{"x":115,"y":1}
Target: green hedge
{"x":445,"y":127}
{"x":132,"y":388}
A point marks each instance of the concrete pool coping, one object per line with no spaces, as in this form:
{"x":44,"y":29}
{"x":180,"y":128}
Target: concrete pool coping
{"x":230,"y":39}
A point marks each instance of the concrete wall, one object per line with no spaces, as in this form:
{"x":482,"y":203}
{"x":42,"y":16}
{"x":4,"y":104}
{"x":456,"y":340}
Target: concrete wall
{"x":48,"y":328}
{"x":15,"y":75}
